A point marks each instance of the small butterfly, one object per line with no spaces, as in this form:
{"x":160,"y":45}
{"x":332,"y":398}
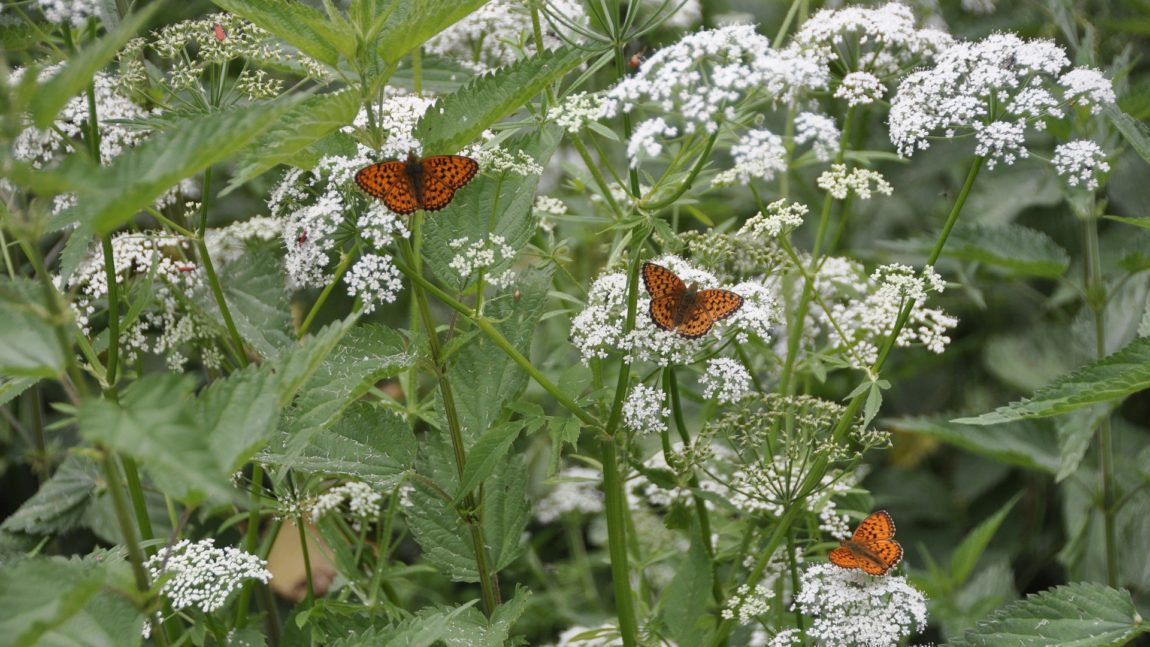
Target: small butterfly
{"x":871,"y":548}
{"x":429,"y":183}
{"x":684,"y":309}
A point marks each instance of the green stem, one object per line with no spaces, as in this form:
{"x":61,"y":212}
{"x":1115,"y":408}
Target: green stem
{"x":686,"y":184}
{"x":251,"y":541}
{"x":113,"y":311}
{"x":299,"y":522}
{"x":1096,"y":300}
{"x":213,"y":279}
{"x":344,"y":262}
{"x":139,"y":503}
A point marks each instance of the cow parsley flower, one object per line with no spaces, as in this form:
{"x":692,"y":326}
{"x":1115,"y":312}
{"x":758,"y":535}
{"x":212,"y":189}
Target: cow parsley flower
{"x":645,"y":139}
{"x":482,"y":255}
{"x":578,"y":110}
{"x":850,"y":608}
{"x":73,"y":12}
{"x":859,"y":88}
{"x":197,"y":574}
{"x":759,"y":154}
{"x":781,"y":218}
{"x":363,"y":502}
{"x":838,"y":182}
{"x":576,"y":491}
{"x":1080,"y":162}
{"x":746,"y":604}
{"x":994,"y":88}
{"x":375,"y":280}
{"x":821,"y":131}
{"x":645,"y":410}
{"x":767,"y":487}
{"x":605,"y":635}
{"x":725,"y":380}
{"x":500,"y":32}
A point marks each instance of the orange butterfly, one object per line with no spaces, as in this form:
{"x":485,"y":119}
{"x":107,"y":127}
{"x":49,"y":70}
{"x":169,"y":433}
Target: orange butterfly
{"x":429,"y":183}
{"x":684,"y":309}
{"x":871,"y":548}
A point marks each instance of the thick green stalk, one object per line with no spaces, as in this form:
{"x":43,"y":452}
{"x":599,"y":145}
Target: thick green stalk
{"x":213,"y":279}
{"x":1096,"y":300}
{"x":251,"y":541}
{"x":344,"y":262}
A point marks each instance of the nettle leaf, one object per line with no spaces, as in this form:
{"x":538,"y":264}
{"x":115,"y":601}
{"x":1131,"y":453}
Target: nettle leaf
{"x":12,"y":387}
{"x":506,"y":512}
{"x":966,"y":555}
{"x":114,"y":194}
{"x":1137,"y":222}
{"x":239,"y":414}
{"x":688,"y":593}
{"x":299,"y":25}
{"x":427,"y":628}
{"x":1010,"y":190}
{"x":1075,"y":431}
{"x":1135,"y":132}
{"x":60,"y":503}
{"x":472,"y":629}
{"x":258,"y":302}
{"x":298,"y":366}
{"x":77,"y":73}
{"x":313,"y":119}
{"x":483,"y":377}
{"x":486,"y":454}
{"x":499,"y":205}
{"x":1027,"y":443}
{"x":1113,"y":377}
{"x":1078,"y":614}
{"x":29,"y":346}
{"x":67,"y":602}
{"x":406,"y":24}
{"x":367,"y":443}
{"x":1015,"y":248}
{"x":456,"y":120}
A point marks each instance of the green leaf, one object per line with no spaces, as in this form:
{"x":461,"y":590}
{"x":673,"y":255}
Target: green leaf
{"x":1078,"y":614}
{"x":486,"y":454}
{"x":59,"y":504}
{"x":1075,"y":431}
{"x":472,"y":629}
{"x":114,"y":194}
{"x":57,"y":602}
{"x":1113,"y":377}
{"x":1010,"y":190}
{"x":489,"y":205}
{"x":426,"y":629}
{"x":506,"y":512}
{"x":1137,"y":222}
{"x":434,"y":522}
{"x":29,"y":346}
{"x":238,"y":415}
{"x":298,"y":365}
{"x":300,"y":25}
{"x":1135,"y":132}
{"x":77,"y":73}
{"x":406,"y":24}
{"x":1026,"y":444}
{"x":456,"y":120}
{"x":13,"y":387}
{"x":688,"y":594}
{"x":1014,"y":248}
{"x":314,"y":118}
{"x":366,"y":443}
{"x":260,"y":306}
{"x":966,"y":555}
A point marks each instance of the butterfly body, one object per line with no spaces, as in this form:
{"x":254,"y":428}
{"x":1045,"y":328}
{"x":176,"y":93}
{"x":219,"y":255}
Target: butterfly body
{"x":412,"y":184}
{"x":872,"y":548}
{"x":684,"y":309}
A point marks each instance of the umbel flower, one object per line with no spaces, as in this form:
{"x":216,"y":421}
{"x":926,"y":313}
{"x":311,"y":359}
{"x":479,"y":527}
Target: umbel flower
{"x":851,"y":608}
{"x":197,"y":574}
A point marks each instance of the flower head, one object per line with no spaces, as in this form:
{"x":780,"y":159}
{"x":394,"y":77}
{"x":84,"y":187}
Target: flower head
{"x":850,"y":608}
{"x":500,"y":32}
{"x":725,"y":380}
{"x":1080,"y":162}
{"x":197,"y":574}
{"x":645,"y":410}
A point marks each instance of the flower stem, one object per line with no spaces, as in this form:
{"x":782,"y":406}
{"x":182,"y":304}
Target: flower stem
{"x":344,"y":261}
{"x":213,"y":279}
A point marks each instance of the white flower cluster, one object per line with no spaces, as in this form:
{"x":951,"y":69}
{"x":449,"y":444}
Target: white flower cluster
{"x":1080,"y":162}
{"x":119,"y":122}
{"x":73,"y":12}
{"x":766,"y":487}
{"x":499,"y":32}
{"x":228,"y":244}
{"x":197,"y":574}
{"x":838,"y":182}
{"x":865,"y":308}
{"x":725,"y":380}
{"x":821,"y":131}
{"x":701,"y":80}
{"x":597,"y":330}
{"x":760,"y":154}
{"x":859,"y":88}
{"x":495,"y":160}
{"x":747,"y":604}
{"x":576,"y":492}
{"x":578,"y":110}
{"x":995,"y":88}
{"x":645,"y":410}
{"x":375,"y":280}
{"x":850,"y":608}
{"x":363,"y":502}
{"x":781,"y":218}
{"x":882,"y":41}
{"x":474,"y":257}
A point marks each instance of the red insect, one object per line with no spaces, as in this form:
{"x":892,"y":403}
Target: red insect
{"x":221,"y":35}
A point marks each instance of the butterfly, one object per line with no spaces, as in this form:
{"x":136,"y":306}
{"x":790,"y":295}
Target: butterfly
{"x":429,"y":183}
{"x":871,"y":548}
{"x":685,"y":309}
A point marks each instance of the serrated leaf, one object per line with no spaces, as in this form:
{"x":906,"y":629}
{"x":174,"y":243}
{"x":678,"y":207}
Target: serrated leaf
{"x":966,"y":555}
{"x":258,"y":301}
{"x":366,"y":443}
{"x":486,"y":454}
{"x":506,"y":512}
{"x":238,"y":415}
{"x":1079,"y":614}
{"x":10,"y":388}
{"x":688,"y":593}
{"x":298,"y":365}
{"x":113,"y":194}
{"x":77,"y":73}
{"x":1075,"y":431}
{"x":1137,"y":222}
{"x":59,"y":504}
{"x":65,"y":602}
{"x":1113,"y":377}
{"x":1020,"y":250}
{"x":434,"y":522}
{"x":457,"y":119}
{"x":1134,"y":132}
{"x":1024,"y":443}
{"x":427,"y":628}
{"x":1009,"y":191}
{"x":314,"y":118}
{"x":300,"y":25}
{"x":408,"y":23}
{"x":29,"y":346}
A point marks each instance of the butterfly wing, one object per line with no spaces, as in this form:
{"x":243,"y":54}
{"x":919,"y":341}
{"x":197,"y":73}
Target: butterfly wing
{"x":843,"y":557}
{"x":662,"y":282}
{"x":888,"y":553}
{"x":719,"y":304}
{"x":696,"y":321}
{"x":453,"y":171}
{"x":389,"y":182}
{"x":662,"y":311}
{"x":878,"y":525}
{"x":436,"y":194}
